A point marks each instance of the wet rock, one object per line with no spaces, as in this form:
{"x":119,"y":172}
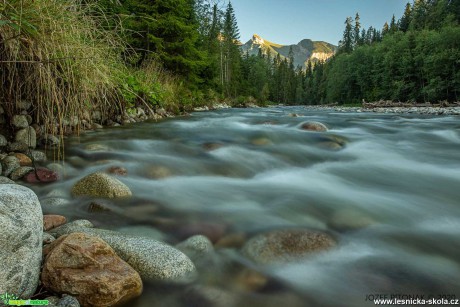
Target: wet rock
{"x":54,"y":202}
{"x":350,"y":219}
{"x":330,"y":146}
{"x":234,"y":240}
{"x":27,"y":136}
{"x":314,"y":126}
{"x":3,"y":141}
{"x":210,"y":146}
{"x":101,"y":185}
{"x":6,"y":180}
{"x":97,"y":147}
{"x":168,"y":264}
{"x":261,"y":141}
{"x":286,"y":245}
{"x":96,"y":126}
{"x":41,"y":175}
{"x":159,"y":172}
{"x":21,"y":172}
{"x":89,"y":268}
{"x":196,"y":247}
{"x":212,"y":231}
{"x":99,"y":206}
{"x":38,"y":156}
{"x":47,"y":238}
{"x":18,"y":147}
{"x":24,"y":160}
{"x":50,"y":140}
{"x":20,"y":121}
{"x":52,"y":221}
{"x":118,"y":170}
{"x":58,"y":168}
{"x":21,"y":234}
{"x":9,"y":165}
{"x":251,"y":280}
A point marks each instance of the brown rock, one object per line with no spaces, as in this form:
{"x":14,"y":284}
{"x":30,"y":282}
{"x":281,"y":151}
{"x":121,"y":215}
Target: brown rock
{"x":117,"y":170}
{"x":250,"y":280}
{"x":53,"y":221}
{"x":89,"y":269}
{"x":234,"y":240}
{"x":41,"y":175}
{"x":23,"y":159}
{"x":286,"y":245}
{"x":314,"y":126}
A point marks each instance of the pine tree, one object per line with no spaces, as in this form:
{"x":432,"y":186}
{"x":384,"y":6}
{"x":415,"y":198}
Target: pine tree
{"x":357,"y":31}
{"x":346,"y":44}
{"x":231,"y":52}
{"x":405,"y":20}
{"x":393,"y":25}
{"x":386,"y":29}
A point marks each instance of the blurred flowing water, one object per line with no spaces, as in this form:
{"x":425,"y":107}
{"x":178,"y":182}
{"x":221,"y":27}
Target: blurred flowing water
{"x":386,"y":186}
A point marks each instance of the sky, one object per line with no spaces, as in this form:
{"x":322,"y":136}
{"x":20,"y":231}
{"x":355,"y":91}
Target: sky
{"x":289,"y":21}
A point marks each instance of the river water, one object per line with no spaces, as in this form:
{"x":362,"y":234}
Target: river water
{"x":387,"y":187}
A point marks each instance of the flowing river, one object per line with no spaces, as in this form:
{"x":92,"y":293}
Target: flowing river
{"x":387,"y":187}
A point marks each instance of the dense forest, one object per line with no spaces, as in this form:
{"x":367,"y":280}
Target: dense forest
{"x":415,"y":58}
{"x":69,"y":55}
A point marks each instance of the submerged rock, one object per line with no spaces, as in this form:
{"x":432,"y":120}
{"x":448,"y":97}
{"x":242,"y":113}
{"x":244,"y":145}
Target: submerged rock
{"x":152,"y":259}
{"x":21,"y":231}
{"x":314,"y":126}
{"x":196,"y":247}
{"x":89,"y":268}
{"x":101,"y":185}
{"x":286,"y":245}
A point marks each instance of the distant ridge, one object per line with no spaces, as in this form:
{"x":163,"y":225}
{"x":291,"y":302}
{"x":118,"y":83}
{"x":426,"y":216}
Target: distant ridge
{"x":306,"y":50}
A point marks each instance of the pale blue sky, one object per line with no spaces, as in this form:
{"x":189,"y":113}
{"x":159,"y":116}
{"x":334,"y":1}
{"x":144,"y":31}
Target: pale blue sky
{"x":290,"y":21}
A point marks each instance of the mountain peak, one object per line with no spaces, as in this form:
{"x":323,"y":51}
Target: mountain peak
{"x":256,"y":39}
{"x":304,"y":51}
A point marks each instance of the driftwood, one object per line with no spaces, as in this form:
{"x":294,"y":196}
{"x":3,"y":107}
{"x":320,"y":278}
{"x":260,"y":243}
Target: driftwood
{"x":392,"y":104}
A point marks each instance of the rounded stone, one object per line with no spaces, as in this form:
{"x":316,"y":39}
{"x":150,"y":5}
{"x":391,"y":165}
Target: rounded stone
{"x":27,"y":136}
{"x":24,"y":160}
{"x":314,"y":126}
{"x":38,"y":156}
{"x":20,"y":121}
{"x":9,"y":165}
{"x":89,"y":268}
{"x":196,"y":247}
{"x":21,"y":172}
{"x":3,"y":141}
{"x":101,"y":185}
{"x":167,"y":264}
{"x":21,"y":231}
{"x":287,"y":245}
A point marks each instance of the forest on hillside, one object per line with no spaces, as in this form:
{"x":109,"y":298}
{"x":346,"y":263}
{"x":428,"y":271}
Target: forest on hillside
{"x":67,"y":55}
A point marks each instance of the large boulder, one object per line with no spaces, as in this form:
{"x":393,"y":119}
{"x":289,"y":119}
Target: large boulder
{"x":101,"y":185}
{"x":152,"y":259}
{"x":90,"y":270}
{"x":21,"y":230}
{"x":286,"y":245}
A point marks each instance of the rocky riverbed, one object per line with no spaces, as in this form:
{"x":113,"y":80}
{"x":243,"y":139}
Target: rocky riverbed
{"x":296,"y":206}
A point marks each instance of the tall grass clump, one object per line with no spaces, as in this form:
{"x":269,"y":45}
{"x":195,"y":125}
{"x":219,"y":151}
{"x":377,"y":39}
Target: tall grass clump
{"x":60,"y":57}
